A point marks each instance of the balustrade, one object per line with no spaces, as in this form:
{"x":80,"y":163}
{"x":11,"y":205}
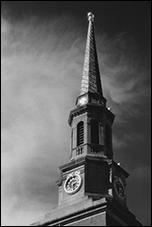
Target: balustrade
{"x":79,"y":150}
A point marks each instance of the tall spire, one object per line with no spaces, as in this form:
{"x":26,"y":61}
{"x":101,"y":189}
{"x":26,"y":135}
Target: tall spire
{"x":91,"y":76}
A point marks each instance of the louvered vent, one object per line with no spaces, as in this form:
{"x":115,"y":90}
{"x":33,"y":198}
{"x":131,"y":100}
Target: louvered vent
{"x":80,"y":133}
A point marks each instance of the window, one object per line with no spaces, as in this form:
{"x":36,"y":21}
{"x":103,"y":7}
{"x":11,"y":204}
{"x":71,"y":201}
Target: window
{"x":94,"y":132}
{"x":108,"y":136}
{"x":80,"y":133}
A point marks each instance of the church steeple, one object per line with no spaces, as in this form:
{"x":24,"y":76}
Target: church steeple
{"x":91,"y":75}
{"x":91,"y":187}
{"x":91,"y":121}
{"x":91,"y":88}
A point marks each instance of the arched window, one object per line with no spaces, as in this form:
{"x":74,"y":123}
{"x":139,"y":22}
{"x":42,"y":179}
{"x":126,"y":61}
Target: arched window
{"x":108,"y":136}
{"x":94,"y":131}
{"x":80,"y":133}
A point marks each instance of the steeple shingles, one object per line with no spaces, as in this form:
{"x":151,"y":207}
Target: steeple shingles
{"x":91,"y":76}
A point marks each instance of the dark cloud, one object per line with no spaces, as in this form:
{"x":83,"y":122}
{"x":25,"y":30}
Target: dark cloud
{"x":42,"y":55}
{"x":139,"y":187}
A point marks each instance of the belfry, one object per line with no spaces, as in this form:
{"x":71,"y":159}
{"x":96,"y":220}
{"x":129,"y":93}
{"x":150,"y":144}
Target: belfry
{"x":92,"y":186}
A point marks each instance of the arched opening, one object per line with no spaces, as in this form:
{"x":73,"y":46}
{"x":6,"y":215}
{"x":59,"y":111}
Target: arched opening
{"x":94,"y":131}
{"x":80,"y":133}
{"x":108,"y":136}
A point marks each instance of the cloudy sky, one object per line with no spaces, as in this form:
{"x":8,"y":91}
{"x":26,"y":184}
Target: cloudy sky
{"x":42,"y":53}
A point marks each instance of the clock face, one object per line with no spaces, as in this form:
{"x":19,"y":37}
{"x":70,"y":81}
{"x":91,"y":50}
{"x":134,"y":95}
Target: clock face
{"x":83,"y":100}
{"x":73,"y":183}
{"x":119,"y":188}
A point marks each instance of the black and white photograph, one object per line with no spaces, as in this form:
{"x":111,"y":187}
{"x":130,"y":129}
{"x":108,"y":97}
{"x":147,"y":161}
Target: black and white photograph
{"x":75,"y":113}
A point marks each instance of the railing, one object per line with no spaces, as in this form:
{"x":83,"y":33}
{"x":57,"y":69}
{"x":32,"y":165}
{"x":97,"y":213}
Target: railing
{"x":80,"y":150}
{"x":96,"y":149}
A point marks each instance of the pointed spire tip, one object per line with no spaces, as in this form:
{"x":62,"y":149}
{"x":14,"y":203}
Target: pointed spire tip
{"x":91,"y":82}
{"x":90,"y":16}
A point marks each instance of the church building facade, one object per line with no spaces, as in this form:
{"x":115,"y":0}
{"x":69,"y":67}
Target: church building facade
{"x":92,"y":186}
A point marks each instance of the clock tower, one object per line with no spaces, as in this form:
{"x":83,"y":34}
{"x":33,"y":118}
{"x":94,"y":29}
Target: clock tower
{"x":92,"y":186}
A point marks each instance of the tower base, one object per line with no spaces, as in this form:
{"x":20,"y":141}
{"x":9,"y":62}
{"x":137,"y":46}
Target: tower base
{"x":101,"y":212}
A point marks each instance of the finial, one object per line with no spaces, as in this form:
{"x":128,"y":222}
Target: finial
{"x":90,"y":16}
